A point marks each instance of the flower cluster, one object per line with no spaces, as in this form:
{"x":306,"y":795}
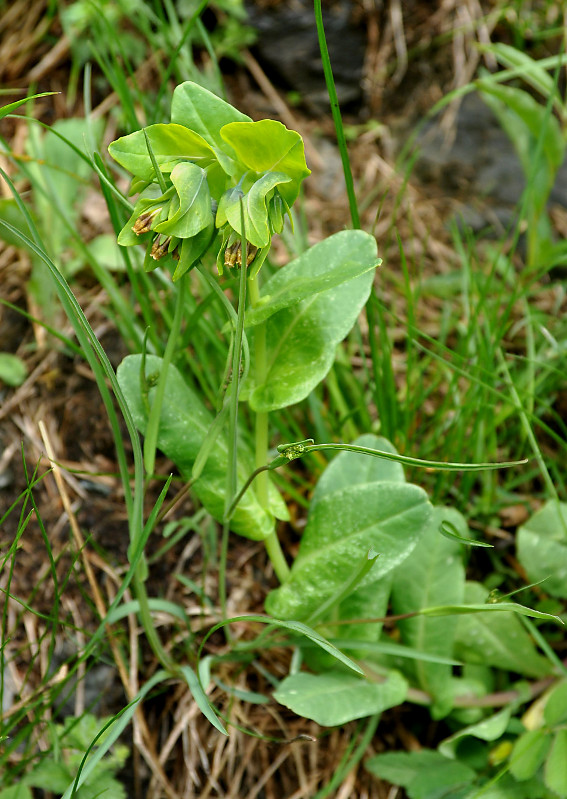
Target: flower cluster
{"x":197,"y":176}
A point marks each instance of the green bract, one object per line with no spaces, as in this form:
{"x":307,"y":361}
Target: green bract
{"x":194,"y":174}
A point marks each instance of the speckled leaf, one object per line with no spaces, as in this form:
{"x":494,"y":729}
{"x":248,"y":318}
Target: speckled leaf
{"x":496,"y":639}
{"x":342,"y":527}
{"x":333,"y":261}
{"x":301,"y":339}
{"x":184,"y":424}
{"x":335,"y":697}
{"x":542,"y":548}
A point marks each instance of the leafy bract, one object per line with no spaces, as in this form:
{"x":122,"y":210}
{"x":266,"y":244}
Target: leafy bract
{"x":191,"y":211}
{"x":184,"y":424}
{"x":432,"y":574}
{"x":496,"y":639}
{"x":170,"y":144}
{"x":343,"y":525}
{"x":542,"y":547}
{"x":335,"y":697}
{"x":255,"y":209}
{"x":302,"y":338}
{"x":268,"y":146}
{"x":203,"y":112}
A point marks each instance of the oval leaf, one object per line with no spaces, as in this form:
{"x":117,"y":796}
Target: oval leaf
{"x":335,"y":697}
{"x":342,"y":527}
{"x":301,"y":339}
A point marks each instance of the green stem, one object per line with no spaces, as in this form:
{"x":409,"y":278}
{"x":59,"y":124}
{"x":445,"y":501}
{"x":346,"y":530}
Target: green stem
{"x":150,"y":442}
{"x":272,"y":543}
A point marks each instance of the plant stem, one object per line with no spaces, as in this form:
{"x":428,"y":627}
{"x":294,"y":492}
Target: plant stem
{"x":272,"y":543}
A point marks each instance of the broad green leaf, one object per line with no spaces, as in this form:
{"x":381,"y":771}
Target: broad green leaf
{"x":301,"y":340}
{"x":555,"y":769}
{"x":255,"y":208}
{"x":190,"y":210}
{"x":496,"y":639}
{"x":489,"y":729}
{"x":433,"y":574}
{"x":268,"y":146}
{"x":170,"y":144}
{"x":203,"y":112}
{"x":342,"y":527}
{"x":529,"y":753}
{"x":348,"y":469}
{"x":184,"y":424}
{"x":542,"y":547}
{"x":424,"y":774}
{"x":334,"y":261}
{"x":555,"y":711}
{"x":13,"y":370}
{"x":334,"y":698}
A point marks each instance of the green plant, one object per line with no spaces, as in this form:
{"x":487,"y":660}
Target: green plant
{"x":215,"y":381}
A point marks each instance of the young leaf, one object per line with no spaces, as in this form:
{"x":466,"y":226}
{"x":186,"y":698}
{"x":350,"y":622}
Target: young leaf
{"x":183,"y":426}
{"x":433,"y":574}
{"x":334,"y":698}
{"x":542,"y":547}
{"x":496,"y":639}
{"x":555,"y":769}
{"x":302,"y":339}
{"x":342,"y":527}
